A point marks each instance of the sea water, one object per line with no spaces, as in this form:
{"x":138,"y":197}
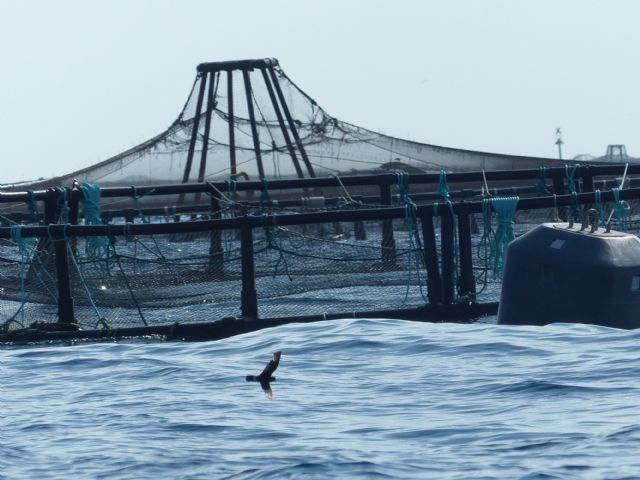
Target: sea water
{"x":370,"y":398}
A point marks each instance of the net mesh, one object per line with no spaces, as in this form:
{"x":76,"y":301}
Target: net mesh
{"x":312,"y":269}
{"x":326,"y":146}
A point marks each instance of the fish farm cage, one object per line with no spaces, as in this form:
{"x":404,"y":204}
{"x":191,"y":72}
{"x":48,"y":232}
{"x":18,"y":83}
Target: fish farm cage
{"x":245,"y":255}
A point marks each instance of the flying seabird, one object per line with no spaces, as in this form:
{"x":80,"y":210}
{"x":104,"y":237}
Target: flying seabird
{"x":266,"y":376}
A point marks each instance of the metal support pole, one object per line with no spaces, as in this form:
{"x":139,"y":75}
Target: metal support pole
{"x":292,"y":125}
{"x":434,"y":284}
{"x":216,"y":253}
{"x":558,"y":183}
{"x":448,"y":263}
{"x":388,"y":242}
{"x":232,"y":133}
{"x":252,"y":121}
{"x":207,"y":129}
{"x":65,"y":301}
{"x":249,"y":296}
{"x":359,"y":230}
{"x":283,"y":128}
{"x":51,"y":206}
{"x":467,"y":279}
{"x":194,"y":132}
{"x":587,"y":179}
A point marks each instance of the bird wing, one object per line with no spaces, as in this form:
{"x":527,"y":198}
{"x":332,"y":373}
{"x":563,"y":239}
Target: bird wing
{"x":271,"y":366}
{"x":266,"y":388}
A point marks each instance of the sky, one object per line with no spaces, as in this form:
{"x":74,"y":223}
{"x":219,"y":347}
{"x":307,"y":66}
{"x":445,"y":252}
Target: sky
{"x":84,"y":80}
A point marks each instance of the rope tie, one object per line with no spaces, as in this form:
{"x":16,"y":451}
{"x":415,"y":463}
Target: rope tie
{"x":443,"y":188}
{"x":541,"y":186}
{"x":265,"y":198}
{"x":415,"y":245}
{"x":621,"y":208}
{"x":600,"y":207}
{"x":274,"y":244}
{"x":571,"y":183}
{"x":505,"y":209}
{"x":96,"y":248}
{"x":347,"y":199}
{"x":25,"y":258}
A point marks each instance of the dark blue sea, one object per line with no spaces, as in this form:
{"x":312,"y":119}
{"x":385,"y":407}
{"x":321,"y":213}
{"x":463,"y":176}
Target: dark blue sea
{"x":353,"y":399}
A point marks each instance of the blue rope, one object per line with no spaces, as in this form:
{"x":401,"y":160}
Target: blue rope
{"x":96,"y":248}
{"x":415,"y":245}
{"x":25,"y":257}
{"x":265,"y":198}
{"x":571,"y":183}
{"x":621,"y":208}
{"x":505,"y":209}
{"x":600,"y":208}
{"x":485,"y":249}
{"x":541,"y":186}
{"x":274,"y":244}
{"x":443,"y":188}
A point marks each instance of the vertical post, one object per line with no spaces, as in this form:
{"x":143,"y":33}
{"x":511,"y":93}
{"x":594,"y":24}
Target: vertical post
{"x":216,"y":253}
{"x":194,"y":133}
{"x":283,"y":128}
{"x":248,"y":296}
{"x":51,"y":206}
{"x":448,"y":264}
{"x":359,"y":230}
{"x":587,"y":179}
{"x":292,"y":125}
{"x":558,"y":189}
{"x":467,"y":280}
{"x":252,"y":121}
{"x":388,"y":242}
{"x":65,"y":302}
{"x":207,"y":128}
{"x":74,"y":203}
{"x":434,"y":284}
{"x":558,"y":183}
{"x":232,"y":132}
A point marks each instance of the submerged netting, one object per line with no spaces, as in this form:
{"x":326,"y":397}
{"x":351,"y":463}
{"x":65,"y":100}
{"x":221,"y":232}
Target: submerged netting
{"x":248,"y":118}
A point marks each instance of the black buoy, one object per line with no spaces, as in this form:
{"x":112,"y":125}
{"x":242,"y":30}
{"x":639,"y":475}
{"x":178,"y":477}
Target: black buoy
{"x":566,"y":273}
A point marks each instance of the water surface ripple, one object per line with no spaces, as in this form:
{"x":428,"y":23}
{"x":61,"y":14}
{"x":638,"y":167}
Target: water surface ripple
{"x":353,"y":399}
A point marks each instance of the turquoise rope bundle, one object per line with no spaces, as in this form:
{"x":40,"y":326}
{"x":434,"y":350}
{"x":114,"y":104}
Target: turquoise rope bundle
{"x":265,"y":198}
{"x":505,"y":209}
{"x":571,"y":183}
{"x":486,"y":247}
{"x":415,"y":245}
{"x":96,"y":248}
{"x":443,"y":188}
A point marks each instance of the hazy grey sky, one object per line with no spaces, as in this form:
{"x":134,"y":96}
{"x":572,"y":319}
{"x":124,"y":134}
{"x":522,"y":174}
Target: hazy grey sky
{"x":84,"y":80}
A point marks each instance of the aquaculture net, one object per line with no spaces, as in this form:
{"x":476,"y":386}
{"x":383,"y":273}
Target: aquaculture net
{"x":320,"y":145}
